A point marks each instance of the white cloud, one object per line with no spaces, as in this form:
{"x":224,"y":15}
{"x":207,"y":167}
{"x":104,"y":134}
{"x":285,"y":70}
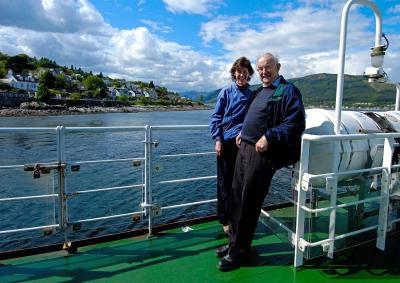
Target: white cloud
{"x":221,"y":28}
{"x":134,"y":54}
{"x":305,"y":38}
{"x":201,"y":7}
{"x":140,"y":54}
{"x":68,"y":16}
{"x":395,"y":9}
{"x":156,"y":26}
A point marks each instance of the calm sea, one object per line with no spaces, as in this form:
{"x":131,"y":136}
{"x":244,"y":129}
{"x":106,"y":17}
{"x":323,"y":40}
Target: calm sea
{"x":83,"y":148}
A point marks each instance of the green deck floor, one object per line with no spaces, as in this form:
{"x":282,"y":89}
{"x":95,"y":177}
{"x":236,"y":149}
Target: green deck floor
{"x":175,"y":256}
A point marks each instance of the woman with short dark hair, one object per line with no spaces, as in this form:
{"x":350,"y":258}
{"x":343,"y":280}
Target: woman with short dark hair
{"x":226,"y":123}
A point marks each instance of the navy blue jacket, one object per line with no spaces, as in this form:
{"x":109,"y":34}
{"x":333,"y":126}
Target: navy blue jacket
{"x":230,"y":110}
{"x":285,"y":123}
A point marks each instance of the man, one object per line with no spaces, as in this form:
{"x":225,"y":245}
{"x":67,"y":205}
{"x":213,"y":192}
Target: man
{"x":270,"y":139}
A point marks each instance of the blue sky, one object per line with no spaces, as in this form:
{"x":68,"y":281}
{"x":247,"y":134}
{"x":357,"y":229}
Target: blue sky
{"x":191,"y":44}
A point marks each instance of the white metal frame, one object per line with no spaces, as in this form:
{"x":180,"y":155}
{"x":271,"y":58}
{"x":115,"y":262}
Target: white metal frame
{"x":331,"y":181}
{"x":62,"y":163}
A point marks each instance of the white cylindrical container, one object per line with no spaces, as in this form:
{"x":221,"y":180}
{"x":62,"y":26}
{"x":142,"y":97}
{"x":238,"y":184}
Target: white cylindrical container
{"x":353,"y":154}
{"x":393,"y":117}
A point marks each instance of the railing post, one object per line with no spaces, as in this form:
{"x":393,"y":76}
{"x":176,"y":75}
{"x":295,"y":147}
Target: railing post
{"x":331,"y":186}
{"x":384,"y":203}
{"x":61,"y":176}
{"x":61,"y":184}
{"x":302,"y":187}
{"x":148,"y":162}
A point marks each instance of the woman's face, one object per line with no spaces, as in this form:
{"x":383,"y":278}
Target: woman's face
{"x":241,"y":76}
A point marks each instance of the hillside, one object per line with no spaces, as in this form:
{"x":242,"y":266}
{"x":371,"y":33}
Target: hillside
{"x":319,"y":90}
{"x":47,"y":80}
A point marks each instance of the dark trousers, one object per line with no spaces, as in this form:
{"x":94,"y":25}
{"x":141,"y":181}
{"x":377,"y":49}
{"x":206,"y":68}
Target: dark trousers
{"x":225,"y":169}
{"x":251,"y":181}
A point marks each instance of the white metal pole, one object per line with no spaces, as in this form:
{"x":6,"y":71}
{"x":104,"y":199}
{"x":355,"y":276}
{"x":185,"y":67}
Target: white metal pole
{"x":302,"y":188}
{"x":147,"y":187}
{"x":342,"y":51}
{"x":397,"y":106}
{"x":385,"y":191}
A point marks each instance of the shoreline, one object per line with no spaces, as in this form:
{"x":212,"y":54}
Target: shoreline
{"x":53,"y":111}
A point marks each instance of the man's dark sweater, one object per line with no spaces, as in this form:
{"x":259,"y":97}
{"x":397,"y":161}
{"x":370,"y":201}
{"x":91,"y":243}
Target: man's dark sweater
{"x":255,"y":122}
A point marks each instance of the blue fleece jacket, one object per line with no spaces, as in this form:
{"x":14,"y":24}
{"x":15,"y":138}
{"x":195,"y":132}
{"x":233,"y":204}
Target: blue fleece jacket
{"x":230,"y":109}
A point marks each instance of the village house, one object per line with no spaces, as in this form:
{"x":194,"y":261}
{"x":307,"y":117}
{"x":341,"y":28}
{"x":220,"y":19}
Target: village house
{"x":28,"y":83}
{"x":132,"y":91}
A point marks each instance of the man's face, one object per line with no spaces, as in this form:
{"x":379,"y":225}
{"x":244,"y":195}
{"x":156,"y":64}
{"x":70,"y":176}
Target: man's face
{"x":268,"y":69}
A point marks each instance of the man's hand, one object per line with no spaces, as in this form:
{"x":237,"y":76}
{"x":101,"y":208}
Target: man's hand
{"x":218,"y":147}
{"x":262,"y":144}
{"x":238,"y":140}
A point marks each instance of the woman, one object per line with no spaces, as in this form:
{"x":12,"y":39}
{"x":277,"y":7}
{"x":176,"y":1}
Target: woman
{"x":226,"y":123}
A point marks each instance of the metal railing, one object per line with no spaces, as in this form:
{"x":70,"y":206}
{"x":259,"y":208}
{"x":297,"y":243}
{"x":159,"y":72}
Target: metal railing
{"x":64,"y":161}
{"x":389,"y":174}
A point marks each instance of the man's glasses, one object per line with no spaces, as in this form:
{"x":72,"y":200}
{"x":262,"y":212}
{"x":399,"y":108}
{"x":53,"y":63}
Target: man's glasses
{"x":265,"y":68}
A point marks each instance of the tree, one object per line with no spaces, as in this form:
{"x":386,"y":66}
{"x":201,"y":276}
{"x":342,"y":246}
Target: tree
{"x":123,"y":98}
{"x":3,"y":57}
{"x":200,"y":99}
{"x":75,"y":96}
{"x":151,"y":84}
{"x":3,"y":61}
{"x":162,"y":91}
{"x":103,"y":92}
{"x":143,"y":100}
{"x":46,"y":63}
{"x":95,"y":85}
{"x":116,"y":83}
{"x":3,"y":71}
{"x":60,"y":82}
{"x":19,"y":63}
{"x":5,"y":87}
{"x":42,"y":93}
{"x":48,"y":79}
{"x":143,"y":85}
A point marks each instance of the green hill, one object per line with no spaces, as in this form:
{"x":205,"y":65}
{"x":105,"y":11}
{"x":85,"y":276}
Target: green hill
{"x":319,"y":90}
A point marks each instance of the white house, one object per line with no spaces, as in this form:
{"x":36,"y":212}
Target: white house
{"x":150,"y":93}
{"x":130,"y":92}
{"x":135,"y":93}
{"x":28,"y":83}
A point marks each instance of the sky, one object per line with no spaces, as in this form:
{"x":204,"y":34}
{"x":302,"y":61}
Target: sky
{"x":191,"y":44}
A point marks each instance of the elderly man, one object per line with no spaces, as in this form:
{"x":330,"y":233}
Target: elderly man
{"x":270,"y":139}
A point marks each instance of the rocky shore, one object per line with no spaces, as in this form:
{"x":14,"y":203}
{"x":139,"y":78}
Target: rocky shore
{"x":30,"y":109}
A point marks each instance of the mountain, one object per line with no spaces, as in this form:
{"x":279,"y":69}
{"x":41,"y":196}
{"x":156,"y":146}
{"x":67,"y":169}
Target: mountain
{"x":319,"y":90}
{"x":192,"y":94}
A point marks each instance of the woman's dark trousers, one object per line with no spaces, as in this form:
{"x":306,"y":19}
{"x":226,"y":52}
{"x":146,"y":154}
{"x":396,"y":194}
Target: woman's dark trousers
{"x":225,"y":169}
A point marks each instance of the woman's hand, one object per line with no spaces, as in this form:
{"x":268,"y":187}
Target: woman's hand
{"x":238,"y":140}
{"x":218,"y":147}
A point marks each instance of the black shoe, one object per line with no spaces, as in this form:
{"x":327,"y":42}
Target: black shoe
{"x":222,"y":251}
{"x":228,"y":263}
